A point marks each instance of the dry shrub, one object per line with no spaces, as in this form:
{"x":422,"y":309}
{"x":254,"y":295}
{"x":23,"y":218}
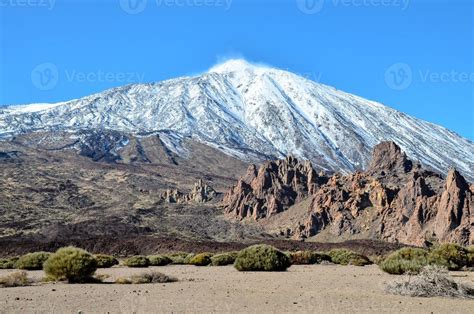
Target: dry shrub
{"x":189,"y":257}
{"x":137,"y":261}
{"x":449,"y":255}
{"x":308,"y":257}
{"x":405,"y":261}
{"x":32,"y":261}
{"x":224,"y":259}
{"x":159,"y":260}
{"x":470,"y":256}
{"x":8,"y":263}
{"x":14,"y":279}
{"x":202,"y":259}
{"x":432,"y":281}
{"x":262,"y":257}
{"x":179,"y":258}
{"x":348,"y":257}
{"x":72,"y":264}
{"x":105,"y":261}
{"x":146,"y":277}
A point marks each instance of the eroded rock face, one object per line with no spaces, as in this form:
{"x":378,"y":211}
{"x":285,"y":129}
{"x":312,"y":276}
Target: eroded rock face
{"x":200,"y":193}
{"x":271,"y":189}
{"x":393,"y":200}
{"x":388,"y":157}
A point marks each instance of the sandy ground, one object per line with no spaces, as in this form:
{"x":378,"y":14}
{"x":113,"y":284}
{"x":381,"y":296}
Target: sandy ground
{"x":308,"y":289}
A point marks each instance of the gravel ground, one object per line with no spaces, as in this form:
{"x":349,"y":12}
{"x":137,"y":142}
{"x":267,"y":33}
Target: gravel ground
{"x":305,"y":289}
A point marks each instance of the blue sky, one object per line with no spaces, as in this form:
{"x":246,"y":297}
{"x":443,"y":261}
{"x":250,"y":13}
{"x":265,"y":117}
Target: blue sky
{"x":415,"y":56}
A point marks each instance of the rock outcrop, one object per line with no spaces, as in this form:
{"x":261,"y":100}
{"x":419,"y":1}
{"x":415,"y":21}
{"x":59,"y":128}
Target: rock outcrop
{"x":395,"y":200}
{"x":273,"y":188}
{"x":200,"y":193}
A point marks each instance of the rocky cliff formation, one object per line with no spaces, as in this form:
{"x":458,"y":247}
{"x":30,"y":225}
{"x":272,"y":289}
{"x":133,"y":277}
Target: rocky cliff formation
{"x":200,"y":193}
{"x":271,"y":189}
{"x":395,"y":200}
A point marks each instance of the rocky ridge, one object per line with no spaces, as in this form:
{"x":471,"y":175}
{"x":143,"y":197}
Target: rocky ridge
{"x":200,"y":193}
{"x":395,"y":200}
{"x":271,"y":189}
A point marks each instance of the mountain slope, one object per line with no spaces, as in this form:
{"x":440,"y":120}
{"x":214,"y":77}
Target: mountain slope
{"x":253,"y":113}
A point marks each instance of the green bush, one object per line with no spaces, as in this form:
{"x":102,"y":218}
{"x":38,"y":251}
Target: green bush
{"x":261,"y":258}
{"x":105,"y":261}
{"x":188,"y":258}
{"x":202,"y":259}
{"x":348,"y":257}
{"x":376,"y":259}
{"x":405,"y":260}
{"x":178,"y":258}
{"x":137,"y":261}
{"x":308,"y":257}
{"x":470,"y":256}
{"x":159,"y":260}
{"x":224,"y":259}
{"x":32,"y":261}
{"x":72,"y":264}
{"x":452,"y":256}
{"x":8,"y":263}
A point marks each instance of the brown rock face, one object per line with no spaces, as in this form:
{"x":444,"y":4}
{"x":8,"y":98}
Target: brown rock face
{"x":388,"y":157}
{"x":272,"y":188}
{"x":201,"y":193}
{"x":454,"y":220}
{"x":394,"y":200}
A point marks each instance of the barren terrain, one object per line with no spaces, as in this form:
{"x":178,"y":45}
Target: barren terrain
{"x":309,"y":289}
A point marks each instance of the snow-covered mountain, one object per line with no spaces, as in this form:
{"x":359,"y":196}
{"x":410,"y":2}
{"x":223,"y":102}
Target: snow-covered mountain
{"x":253,"y":112}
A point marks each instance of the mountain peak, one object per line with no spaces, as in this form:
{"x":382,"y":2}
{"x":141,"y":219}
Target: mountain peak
{"x":236,"y":65}
{"x":256,"y":112}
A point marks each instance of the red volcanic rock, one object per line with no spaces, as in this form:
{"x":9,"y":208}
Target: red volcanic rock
{"x":417,"y":208}
{"x":393,"y":200}
{"x":276,"y":186}
{"x":387,"y":157}
{"x":455,"y":217}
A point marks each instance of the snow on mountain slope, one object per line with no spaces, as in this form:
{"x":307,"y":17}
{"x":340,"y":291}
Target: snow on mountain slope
{"x":254,"y":112}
